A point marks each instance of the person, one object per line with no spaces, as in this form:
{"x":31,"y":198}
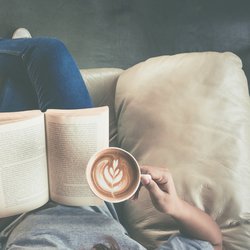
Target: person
{"x":40,"y":73}
{"x":193,"y":222}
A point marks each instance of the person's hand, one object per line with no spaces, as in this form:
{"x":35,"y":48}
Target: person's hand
{"x":160,"y":184}
{"x":192,"y":221}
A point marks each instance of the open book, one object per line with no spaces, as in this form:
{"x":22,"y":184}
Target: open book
{"x":44,"y":155}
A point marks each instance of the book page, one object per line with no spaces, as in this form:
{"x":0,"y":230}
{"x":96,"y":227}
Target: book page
{"x":23,"y":168}
{"x":72,"y":138}
{"x":10,"y":117}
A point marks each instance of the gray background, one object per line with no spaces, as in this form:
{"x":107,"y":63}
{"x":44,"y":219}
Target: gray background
{"x":120,"y":33}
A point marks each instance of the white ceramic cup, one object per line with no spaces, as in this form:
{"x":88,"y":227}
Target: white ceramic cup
{"x":113,"y":174}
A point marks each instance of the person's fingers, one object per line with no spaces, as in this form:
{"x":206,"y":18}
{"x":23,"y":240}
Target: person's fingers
{"x":155,"y":172}
{"x":145,"y":179}
{"x":161,"y":176}
{"x":151,"y":186}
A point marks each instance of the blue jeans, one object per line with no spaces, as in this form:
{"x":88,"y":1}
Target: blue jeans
{"x":39,"y":73}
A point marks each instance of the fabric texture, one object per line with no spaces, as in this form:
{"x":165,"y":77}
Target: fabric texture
{"x":67,"y":228}
{"x":190,"y":113}
{"x":62,"y":227}
{"x":101,"y":84}
{"x":39,"y":73}
{"x":179,"y":242}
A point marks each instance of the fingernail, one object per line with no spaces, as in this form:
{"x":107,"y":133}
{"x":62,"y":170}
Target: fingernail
{"x":145,"y":179}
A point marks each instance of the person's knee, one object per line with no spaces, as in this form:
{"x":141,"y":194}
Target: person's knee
{"x":51,"y":45}
{"x":49,"y":50}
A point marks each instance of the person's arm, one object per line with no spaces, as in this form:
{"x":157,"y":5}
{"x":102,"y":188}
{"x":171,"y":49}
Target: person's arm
{"x":193,"y":222}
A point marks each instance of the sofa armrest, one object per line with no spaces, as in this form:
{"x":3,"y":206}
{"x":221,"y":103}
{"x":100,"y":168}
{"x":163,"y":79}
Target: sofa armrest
{"x":101,"y":84}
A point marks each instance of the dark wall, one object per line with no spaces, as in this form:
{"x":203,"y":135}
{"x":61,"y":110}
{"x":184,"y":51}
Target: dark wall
{"x":120,"y":33}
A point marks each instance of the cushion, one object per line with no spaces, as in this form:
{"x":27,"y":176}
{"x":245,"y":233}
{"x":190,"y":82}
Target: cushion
{"x":101,"y":84}
{"x":190,"y":113}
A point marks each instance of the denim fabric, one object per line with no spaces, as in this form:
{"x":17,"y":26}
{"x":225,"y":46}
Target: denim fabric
{"x":39,"y":73}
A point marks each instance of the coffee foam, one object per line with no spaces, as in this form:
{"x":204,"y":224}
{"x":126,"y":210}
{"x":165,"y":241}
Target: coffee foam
{"x":114,"y":175}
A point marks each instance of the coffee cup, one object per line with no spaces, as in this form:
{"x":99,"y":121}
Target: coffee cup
{"x":113,"y":174}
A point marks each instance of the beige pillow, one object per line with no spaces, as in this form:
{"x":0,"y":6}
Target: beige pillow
{"x":191,"y":113}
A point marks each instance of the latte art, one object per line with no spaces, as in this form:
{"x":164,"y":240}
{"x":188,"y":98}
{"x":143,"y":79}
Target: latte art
{"x":113,"y":174}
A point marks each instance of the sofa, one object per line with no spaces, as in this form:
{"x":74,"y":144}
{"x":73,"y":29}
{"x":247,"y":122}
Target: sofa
{"x":189,"y":113}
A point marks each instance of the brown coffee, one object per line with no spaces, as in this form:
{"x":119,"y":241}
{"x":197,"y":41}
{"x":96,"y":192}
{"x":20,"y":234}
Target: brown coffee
{"x":113,"y":174}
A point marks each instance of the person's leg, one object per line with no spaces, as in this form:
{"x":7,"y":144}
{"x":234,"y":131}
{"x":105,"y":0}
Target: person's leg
{"x":65,"y":227}
{"x":40,"y":73}
{"x":16,"y":92}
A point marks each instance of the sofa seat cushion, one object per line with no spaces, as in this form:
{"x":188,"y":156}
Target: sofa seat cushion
{"x":189,"y":113}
